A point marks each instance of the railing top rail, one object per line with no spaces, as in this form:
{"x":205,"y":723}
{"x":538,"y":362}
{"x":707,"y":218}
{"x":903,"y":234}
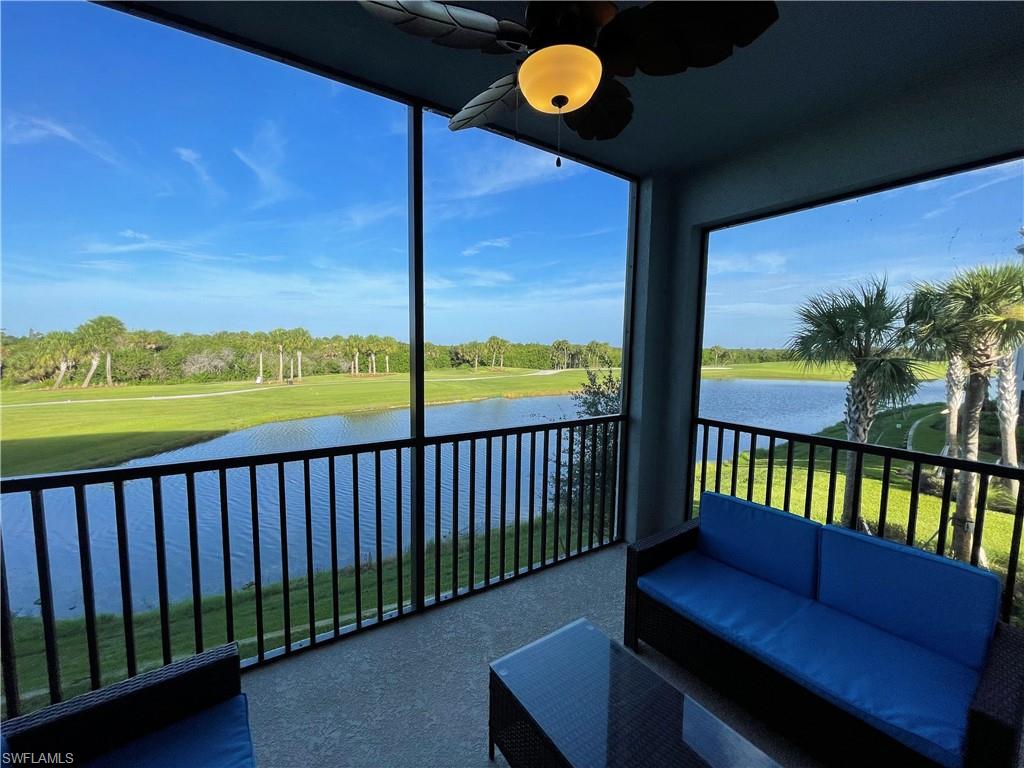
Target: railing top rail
{"x":27,"y":483}
{"x":903,"y":454}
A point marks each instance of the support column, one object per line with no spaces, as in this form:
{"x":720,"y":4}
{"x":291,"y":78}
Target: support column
{"x":416,"y":363}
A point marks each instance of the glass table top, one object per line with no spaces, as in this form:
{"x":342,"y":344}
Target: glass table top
{"x":601,"y":706}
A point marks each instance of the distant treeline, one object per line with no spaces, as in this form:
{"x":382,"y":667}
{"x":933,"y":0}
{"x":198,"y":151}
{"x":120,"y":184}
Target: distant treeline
{"x":723,"y":356}
{"x":103,"y":350}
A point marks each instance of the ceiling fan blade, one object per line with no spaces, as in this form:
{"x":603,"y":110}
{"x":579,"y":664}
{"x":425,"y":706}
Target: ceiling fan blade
{"x":483,"y":108}
{"x":450,"y":25}
{"x":667,"y":38}
{"x":606,"y":114}
{"x":553,"y":21}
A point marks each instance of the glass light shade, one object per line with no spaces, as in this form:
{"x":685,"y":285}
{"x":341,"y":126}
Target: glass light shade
{"x":570,"y":71}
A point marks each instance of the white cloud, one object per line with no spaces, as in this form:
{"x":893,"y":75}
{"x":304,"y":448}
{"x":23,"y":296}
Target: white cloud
{"x":494,"y":242}
{"x":28,"y":129}
{"x":986,"y":177}
{"x":493,"y":173}
{"x":486,"y":278}
{"x":195,"y":161}
{"x":143,"y":243}
{"x":264,"y":158}
{"x":765,"y":263}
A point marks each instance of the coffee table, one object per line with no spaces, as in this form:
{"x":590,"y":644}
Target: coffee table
{"x":575,"y":698}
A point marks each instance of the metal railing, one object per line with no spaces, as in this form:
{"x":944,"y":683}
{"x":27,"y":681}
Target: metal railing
{"x":283,"y":551}
{"x":899,"y":494}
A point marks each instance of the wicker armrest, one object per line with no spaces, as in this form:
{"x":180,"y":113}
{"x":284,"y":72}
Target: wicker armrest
{"x":96,"y":722}
{"x":658,"y":549}
{"x":997,"y":711}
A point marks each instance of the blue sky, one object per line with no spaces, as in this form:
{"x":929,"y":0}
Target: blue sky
{"x":188,"y":186}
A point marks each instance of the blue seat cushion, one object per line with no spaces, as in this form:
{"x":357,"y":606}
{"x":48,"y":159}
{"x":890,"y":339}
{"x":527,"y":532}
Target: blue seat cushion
{"x":741,"y":608}
{"x":776,"y":546}
{"x":941,"y":604}
{"x":216,"y":737}
{"x":918,"y":697}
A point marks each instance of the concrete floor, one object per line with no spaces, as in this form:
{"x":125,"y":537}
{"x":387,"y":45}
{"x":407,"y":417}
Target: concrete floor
{"x":414,"y":693}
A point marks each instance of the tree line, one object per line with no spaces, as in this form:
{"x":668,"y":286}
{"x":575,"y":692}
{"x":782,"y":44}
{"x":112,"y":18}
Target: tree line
{"x":76,"y":357}
{"x":974,"y":322}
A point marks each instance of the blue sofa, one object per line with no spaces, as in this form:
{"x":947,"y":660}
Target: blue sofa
{"x":867,"y":647}
{"x":189,"y":713}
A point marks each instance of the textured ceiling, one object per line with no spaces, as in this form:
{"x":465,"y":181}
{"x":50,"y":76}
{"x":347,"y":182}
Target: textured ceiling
{"x":820,"y":61}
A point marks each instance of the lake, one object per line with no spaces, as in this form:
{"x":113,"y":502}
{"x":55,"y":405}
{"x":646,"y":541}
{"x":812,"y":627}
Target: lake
{"x":796,"y":406}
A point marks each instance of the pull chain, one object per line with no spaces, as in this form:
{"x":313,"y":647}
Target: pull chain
{"x":558,"y":140}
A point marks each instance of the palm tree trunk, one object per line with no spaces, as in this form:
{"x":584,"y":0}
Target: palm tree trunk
{"x":355,"y":365}
{"x":261,"y":367}
{"x":110,"y":380}
{"x":967,"y":490}
{"x":60,"y":374}
{"x":299,"y":353}
{"x":280,"y":364}
{"x":93,"y":365}
{"x":387,"y":363}
{"x":956,"y":383}
{"x":1009,"y":413}
{"x":860,"y":415}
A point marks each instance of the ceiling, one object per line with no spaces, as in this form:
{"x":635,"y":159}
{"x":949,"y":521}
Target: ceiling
{"x":819,"y":62}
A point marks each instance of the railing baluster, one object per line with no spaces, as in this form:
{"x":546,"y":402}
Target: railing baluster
{"x":398,"y":531}
{"x":703,"y":459}
{"x":46,"y":596}
{"x":883,"y":504}
{"x":1011,"y":563}
{"x":858,"y":468}
{"x":127,"y":612}
{"x":518,"y":498}
{"x":225,"y":537}
{"x":771,"y":471}
{"x":487,"y":509}
{"x":471,"y":565}
{"x":544,"y":500}
{"x":379,"y":513}
{"x":161,"y":568}
{"x":438,"y":537}
{"x":286,"y":597}
{"x":601,"y":538}
{"x":533,"y":493}
{"x":88,"y":591}
{"x":812,"y":450}
{"x":947,"y":494}
{"x":569,"y":492}
{"x":455,"y":518}
{"x":11,"y":697}
{"x":620,"y":513}
{"x":593,"y":483}
{"x":193,"y":553}
{"x":915,"y":484}
{"x":357,"y":550}
{"x":257,"y":571}
{"x":558,"y":492}
{"x":735,"y":460}
{"x":332,"y":511}
{"x":582,"y":472}
{"x":787,"y":488}
{"x":503,"y":507}
{"x":750,"y":467}
{"x":831,"y":487}
{"x":979,"y":518}
{"x":719,"y":447}
{"x":310,"y":589}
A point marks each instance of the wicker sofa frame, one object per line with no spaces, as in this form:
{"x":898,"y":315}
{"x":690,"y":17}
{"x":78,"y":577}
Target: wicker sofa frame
{"x":995,"y":720}
{"x":94,"y":723}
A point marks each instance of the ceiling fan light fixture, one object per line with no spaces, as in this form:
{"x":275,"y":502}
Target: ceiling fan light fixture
{"x":560,"y":78}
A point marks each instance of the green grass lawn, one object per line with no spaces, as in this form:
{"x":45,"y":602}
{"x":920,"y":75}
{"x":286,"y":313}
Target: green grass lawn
{"x":47,"y":431}
{"x":71,"y":636}
{"x":794,"y":370}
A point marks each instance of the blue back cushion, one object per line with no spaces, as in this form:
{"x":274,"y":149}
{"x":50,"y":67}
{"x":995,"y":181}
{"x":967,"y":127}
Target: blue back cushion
{"x":940,"y":604}
{"x":775,"y":546}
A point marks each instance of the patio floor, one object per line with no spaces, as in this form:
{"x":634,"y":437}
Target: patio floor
{"x":414,"y":693}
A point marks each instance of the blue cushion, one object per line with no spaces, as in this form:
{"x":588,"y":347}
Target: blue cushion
{"x":916,"y":696}
{"x":217,"y":737}
{"x":938,"y":603}
{"x":764,"y":542}
{"x":730,"y":603}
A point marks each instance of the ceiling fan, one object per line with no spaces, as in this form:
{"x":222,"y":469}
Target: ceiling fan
{"x":571,"y":53}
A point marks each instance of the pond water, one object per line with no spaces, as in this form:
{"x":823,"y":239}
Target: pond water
{"x":788,"y":405}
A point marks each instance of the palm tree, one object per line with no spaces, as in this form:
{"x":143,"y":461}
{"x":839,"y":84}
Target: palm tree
{"x":864,"y":327}
{"x":278,"y":338}
{"x":560,"y":349}
{"x":61,"y":348}
{"x":979,"y":309}
{"x":355,"y":345}
{"x":101,"y":336}
{"x":1008,"y":408}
